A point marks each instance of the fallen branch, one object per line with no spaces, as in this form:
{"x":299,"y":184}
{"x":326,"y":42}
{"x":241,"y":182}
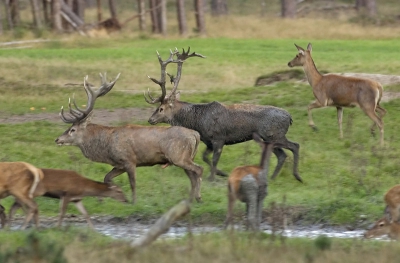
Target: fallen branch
{"x":163,"y":224}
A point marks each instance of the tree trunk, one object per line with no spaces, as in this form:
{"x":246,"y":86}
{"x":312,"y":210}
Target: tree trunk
{"x":65,"y":23}
{"x":288,"y":8}
{"x":368,"y":5}
{"x":99,"y":18}
{"x":78,"y":8}
{"x":155,"y":25}
{"x":8,"y":14}
{"x":142,"y":14}
{"x":56,"y":15}
{"x":46,"y":12}
{"x":14,"y":7}
{"x":1,"y":33}
{"x":113,"y":9}
{"x":180,"y":7}
{"x":163,"y":17}
{"x":163,"y":224}
{"x":219,"y":7}
{"x":36,"y":14}
{"x":199,"y":13}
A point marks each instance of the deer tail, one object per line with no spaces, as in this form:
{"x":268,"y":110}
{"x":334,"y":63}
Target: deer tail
{"x":37,"y":177}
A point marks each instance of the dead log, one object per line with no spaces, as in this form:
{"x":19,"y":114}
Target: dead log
{"x":163,"y":224}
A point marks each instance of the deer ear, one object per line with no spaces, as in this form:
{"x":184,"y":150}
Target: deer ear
{"x":309,"y":47}
{"x":300,"y":49}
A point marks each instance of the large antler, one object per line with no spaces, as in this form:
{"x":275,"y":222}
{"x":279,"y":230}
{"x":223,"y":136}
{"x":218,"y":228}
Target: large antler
{"x":180,"y":58}
{"x":78,"y":114}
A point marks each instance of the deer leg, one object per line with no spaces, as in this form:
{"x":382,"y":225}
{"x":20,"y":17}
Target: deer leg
{"x":81,"y":208}
{"x":216,"y":155}
{"x":377,"y":120}
{"x":15,"y":206}
{"x":294,"y":148}
{"x":262,"y":193}
{"x":63,"y":207}
{"x":207,"y":161}
{"x":32,"y":210}
{"x":3,"y":217}
{"x":131,"y":170}
{"x":281,"y":155}
{"x":311,"y":106}
{"x":249,"y":187}
{"x":231,"y":203}
{"x":340,"y":118}
{"x":381,"y":113}
{"x":112,"y":174}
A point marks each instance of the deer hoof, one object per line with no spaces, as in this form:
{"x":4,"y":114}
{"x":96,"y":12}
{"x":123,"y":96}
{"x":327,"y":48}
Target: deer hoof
{"x":211,"y":178}
{"x":314,"y":128}
{"x":199,"y":200}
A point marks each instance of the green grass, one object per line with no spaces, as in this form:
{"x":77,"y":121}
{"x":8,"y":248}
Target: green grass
{"x":343,"y":179}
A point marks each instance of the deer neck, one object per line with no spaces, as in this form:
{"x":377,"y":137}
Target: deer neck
{"x":95,"y":142}
{"x":311,"y":71}
{"x":186,"y":115}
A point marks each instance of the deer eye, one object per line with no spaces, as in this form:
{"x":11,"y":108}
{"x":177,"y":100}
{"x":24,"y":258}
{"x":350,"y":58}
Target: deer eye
{"x":72,"y":130}
{"x":161,"y":110}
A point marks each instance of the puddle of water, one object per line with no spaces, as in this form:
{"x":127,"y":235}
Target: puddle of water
{"x":134,"y":231}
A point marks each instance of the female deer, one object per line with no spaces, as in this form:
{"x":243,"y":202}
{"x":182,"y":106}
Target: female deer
{"x":249,"y":185}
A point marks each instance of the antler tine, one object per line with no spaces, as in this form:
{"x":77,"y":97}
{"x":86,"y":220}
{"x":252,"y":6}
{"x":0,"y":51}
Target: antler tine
{"x":105,"y":86}
{"x":64,"y":118}
{"x":180,"y":59}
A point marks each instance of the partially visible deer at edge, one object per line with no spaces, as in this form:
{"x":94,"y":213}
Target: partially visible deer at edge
{"x":69,"y":186}
{"x":384,"y":227}
{"x":219,"y":124}
{"x":131,"y":146}
{"x":20,"y":180}
{"x":341,"y":91}
{"x":249,"y":185}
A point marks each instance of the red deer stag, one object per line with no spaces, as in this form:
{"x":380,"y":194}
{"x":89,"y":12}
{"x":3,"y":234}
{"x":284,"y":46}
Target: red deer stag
{"x":20,"y":180}
{"x":384,"y":227}
{"x":340,"y":91}
{"x":69,"y":186}
{"x":249,"y":185}
{"x":219,"y":124}
{"x":131,"y":146}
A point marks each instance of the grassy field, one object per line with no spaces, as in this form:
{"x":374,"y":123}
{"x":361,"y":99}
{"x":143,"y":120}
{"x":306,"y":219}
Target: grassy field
{"x":344,"y":179}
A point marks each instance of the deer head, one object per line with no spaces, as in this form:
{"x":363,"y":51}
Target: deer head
{"x":165,"y":111}
{"x":300,"y":58}
{"x":79,"y":117}
{"x":114,"y":191}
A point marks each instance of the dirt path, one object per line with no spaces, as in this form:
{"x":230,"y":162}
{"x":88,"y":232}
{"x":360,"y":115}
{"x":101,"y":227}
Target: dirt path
{"x":132,"y":115}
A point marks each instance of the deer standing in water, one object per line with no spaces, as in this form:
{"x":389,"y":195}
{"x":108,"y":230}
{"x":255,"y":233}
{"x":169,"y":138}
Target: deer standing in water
{"x":219,"y":124}
{"x":69,"y":186}
{"x":130,"y":146}
{"x":20,"y":180}
{"x":249,"y":185}
{"x":341,"y":91}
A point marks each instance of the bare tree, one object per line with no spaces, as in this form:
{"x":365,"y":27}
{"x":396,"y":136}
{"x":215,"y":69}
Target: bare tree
{"x":288,"y":8}
{"x":155,"y":25}
{"x":78,"y":7}
{"x":113,"y":9}
{"x":14,"y":10}
{"x":1,"y":33}
{"x":142,"y":14}
{"x":368,"y":5}
{"x":199,"y":13}
{"x":180,"y":7}
{"x":99,"y":11}
{"x":56,"y":15}
{"x":46,"y":12}
{"x":219,"y":7}
{"x":8,"y":14}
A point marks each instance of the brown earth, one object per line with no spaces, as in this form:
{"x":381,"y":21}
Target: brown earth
{"x":132,"y":115}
